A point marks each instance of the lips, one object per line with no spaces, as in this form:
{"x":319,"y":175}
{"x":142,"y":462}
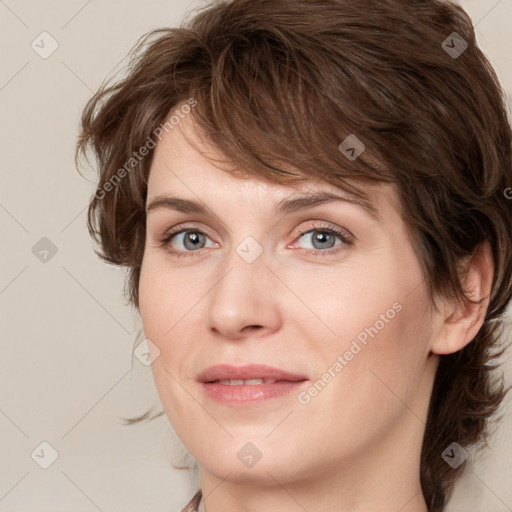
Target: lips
{"x":245,"y":386}
{"x":252,"y":372}
{"x":245,"y":382}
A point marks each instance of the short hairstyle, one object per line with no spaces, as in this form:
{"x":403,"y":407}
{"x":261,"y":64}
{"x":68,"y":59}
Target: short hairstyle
{"x":277,"y":86}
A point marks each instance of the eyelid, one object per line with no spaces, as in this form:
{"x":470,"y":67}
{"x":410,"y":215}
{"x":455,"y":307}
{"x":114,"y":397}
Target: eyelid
{"x":184,"y":226}
{"x":347,"y":241}
{"x":165,"y":240}
{"x":319,"y":225}
{"x":313,"y":224}
{"x":346,"y":237}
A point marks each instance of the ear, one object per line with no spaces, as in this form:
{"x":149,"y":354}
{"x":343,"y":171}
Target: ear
{"x":461,"y":321}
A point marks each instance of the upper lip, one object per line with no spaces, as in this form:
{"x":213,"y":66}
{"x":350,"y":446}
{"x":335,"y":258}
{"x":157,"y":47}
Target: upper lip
{"x":251,"y":371}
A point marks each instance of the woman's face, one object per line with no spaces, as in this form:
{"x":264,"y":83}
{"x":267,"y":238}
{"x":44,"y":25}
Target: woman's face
{"x":252,"y":282}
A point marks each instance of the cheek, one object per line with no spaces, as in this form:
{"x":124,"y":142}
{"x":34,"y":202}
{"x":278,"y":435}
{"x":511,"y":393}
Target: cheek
{"x":383,"y":355}
{"x":161,"y":326}
{"x":147,"y":296}
{"x":163,"y":306}
{"x":378,"y":343}
{"x":161,"y":301}
{"x":361,"y":302}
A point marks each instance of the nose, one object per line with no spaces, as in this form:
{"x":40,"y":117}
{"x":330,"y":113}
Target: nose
{"x":245,"y":300}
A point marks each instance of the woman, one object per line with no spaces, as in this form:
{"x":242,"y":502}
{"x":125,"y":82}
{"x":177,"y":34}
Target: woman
{"x":310,"y":198}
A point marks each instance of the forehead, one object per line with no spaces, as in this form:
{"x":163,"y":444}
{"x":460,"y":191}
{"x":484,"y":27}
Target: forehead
{"x":185,"y":164}
{"x":184,"y":153}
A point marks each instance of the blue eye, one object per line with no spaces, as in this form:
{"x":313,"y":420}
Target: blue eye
{"x":192,"y":240}
{"x":323,"y":239}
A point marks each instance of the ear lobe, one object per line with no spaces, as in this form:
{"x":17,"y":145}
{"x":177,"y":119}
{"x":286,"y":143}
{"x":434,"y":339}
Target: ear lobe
{"x":462,"y":320}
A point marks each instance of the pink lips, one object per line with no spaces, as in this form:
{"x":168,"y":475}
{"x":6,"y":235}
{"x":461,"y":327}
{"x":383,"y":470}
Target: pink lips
{"x":276,"y":383}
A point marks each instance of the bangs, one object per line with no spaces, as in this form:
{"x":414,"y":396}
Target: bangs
{"x":256,"y":106}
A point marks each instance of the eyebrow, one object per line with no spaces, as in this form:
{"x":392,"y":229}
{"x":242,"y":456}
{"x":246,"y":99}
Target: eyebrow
{"x":288,"y":205}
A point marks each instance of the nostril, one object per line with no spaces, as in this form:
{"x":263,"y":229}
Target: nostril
{"x":252,"y":327}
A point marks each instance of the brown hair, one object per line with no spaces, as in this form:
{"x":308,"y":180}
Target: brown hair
{"x":278,"y":85}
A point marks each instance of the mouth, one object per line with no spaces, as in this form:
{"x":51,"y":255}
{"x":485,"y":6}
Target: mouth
{"x":241,"y":386}
{"x":246,"y":382}
{"x":247,"y":373}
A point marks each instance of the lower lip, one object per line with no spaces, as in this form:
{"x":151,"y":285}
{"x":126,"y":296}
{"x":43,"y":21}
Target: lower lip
{"x":246,"y":395}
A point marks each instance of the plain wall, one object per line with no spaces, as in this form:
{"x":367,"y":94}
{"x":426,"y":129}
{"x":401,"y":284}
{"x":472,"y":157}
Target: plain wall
{"x":66,"y":367}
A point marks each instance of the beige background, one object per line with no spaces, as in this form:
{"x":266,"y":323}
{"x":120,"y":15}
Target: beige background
{"x":66,"y":364}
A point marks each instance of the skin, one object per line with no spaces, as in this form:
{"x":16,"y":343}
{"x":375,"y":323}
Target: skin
{"x":355,"y":446}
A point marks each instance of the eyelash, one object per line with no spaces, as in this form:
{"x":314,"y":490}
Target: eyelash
{"x":344,"y":237}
